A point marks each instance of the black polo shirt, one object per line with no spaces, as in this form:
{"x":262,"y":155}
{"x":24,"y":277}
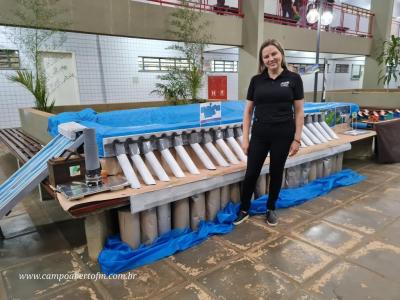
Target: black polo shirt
{"x":274,"y":98}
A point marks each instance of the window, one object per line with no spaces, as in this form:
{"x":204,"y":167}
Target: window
{"x":307,"y":68}
{"x":9,"y":59}
{"x":341,"y":68}
{"x":161,"y":64}
{"x":224,"y":66}
{"x":356,"y":72}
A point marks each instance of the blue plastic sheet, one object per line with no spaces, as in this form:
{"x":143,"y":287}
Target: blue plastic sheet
{"x":117,"y":257}
{"x":164,"y":118}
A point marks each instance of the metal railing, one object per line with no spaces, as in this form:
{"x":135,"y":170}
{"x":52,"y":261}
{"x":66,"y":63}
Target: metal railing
{"x":347,"y":19}
{"x":226,"y":7}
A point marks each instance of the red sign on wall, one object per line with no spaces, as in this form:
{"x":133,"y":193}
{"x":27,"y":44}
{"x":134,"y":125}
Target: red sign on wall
{"x":217,"y":88}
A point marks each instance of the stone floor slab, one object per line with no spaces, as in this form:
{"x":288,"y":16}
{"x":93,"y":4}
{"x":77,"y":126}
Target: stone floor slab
{"x":357,"y":218}
{"x":391,"y":233}
{"x":303,"y":295}
{"x":245,"y":279}
{"x":288,"y":218}
{"x":329,"y":237}
{"x":380,"y":257}
{"x":342,"y":195}
{"x":317,"y":206}
{"x":19,"y":249}
{"x":348,"y":281}
{"x":59,"y":263}
{"x":17,"y":225}
{"x":293,"y":258}
{"x":203,"y":257}
{"x":248,"y":235}
{"x":189,"y":292}
{"x":80,"y":291}
{"x":364,"y":186}
{"x":377,"y":176}
{"x":149,"y":281}
{"x":383,"y":203}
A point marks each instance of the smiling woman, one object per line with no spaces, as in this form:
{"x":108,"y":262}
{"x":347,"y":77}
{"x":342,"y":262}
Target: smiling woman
{"x":274,"y":94}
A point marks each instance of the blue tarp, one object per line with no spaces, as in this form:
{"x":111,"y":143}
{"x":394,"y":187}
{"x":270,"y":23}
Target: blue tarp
{"x":155,"y":119}
{"x":117,"y":257}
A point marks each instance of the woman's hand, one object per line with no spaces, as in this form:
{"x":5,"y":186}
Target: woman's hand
{"x":245,"y":145}
{"x":294,"y":148}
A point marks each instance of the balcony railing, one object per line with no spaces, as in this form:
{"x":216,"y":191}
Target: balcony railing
{"x":227,"y":7}
{"x":347,"y":19}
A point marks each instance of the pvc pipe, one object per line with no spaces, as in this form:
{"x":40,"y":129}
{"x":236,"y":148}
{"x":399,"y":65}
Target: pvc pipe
{"x":216,"y":155}
{"x":203,"y":156}
{"x":227,"y":151}
{"x":311,"y":135}
{"x":156,"y":166}
{"x":142,"y":169}
{"x":237,"y":149}
{"x":322,"y":131}
{"x":175,"y":168}
{"x":316,"y":132}
{"x":329,"y":130}
{"x":128,"y":171}
{"x":184,"y":156}
{"x":307,"y":141}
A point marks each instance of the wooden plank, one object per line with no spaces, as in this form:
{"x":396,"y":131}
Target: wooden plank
{"x":13,"y":149}
{"x":22,"y":139}
{"x":18,"y":143}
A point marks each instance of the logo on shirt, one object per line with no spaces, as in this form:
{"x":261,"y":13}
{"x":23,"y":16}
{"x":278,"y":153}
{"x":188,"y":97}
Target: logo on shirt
{"x":285,"y":84}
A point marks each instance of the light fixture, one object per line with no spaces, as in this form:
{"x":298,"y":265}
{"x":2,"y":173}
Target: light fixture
{"x":312,"y":16}
{"x":326,"y":18}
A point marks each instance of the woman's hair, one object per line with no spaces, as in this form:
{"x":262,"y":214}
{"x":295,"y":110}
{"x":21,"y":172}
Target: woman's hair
{"x":277,"y":45}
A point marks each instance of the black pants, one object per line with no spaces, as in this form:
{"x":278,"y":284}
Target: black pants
{"x":276,"y":139}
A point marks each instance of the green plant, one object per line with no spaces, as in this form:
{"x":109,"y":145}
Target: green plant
{"x":187,"y":26}
{"x":43,"y":21}
{"x":389,"y":58}
{"x":35,"y":85}
{"x":172,"y":87}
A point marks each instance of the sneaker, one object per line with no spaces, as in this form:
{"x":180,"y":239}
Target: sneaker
{"x":242,"y":216}
{"x":271,"y":218}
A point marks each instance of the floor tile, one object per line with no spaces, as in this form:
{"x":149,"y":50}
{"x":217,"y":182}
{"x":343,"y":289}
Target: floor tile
{"x":149,"y":281}
{"x":329,"y":237}
{"x":83,"y":290}
{"x":200,"y":258}
{"x":317,"y":206}
{"x":391,"y":233}
{"x":382,"y":203}
{"x":303,"y":295}
{"x":17,"y":225}
{"x":363,"y":186}
{"x":293,"y":258}
{"x":189,"y":292}
{"x":348,"y":281}
{"x":342,"y":195}
{"x":380,"y":257}
{"x":248,"y":235}
{"x":59,"y":263}
{"x":16,"y":250}
{"x":356,"y":218}
{"x":245,"y":279}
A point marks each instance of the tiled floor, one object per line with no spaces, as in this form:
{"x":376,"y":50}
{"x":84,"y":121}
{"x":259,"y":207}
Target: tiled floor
{"x":344,"y":245}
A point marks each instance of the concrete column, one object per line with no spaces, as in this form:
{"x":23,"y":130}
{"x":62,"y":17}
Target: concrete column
{"x":129,"y":227}
{"x":252,"y":32}
{"x":97,"y":228}
{"x":383,"y":11}
{"x":148,"y":226}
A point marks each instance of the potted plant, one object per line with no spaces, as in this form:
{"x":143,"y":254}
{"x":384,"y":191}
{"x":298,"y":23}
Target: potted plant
{"x":389,"y":58}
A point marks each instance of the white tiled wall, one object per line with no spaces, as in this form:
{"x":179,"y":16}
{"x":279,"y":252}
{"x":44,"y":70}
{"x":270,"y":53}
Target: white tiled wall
{"x":107,"y":72}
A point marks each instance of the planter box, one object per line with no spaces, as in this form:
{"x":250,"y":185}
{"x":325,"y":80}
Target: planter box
{"x":34,"y":123}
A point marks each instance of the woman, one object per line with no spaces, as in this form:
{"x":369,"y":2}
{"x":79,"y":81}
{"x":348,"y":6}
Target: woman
{"x":273,"y":95}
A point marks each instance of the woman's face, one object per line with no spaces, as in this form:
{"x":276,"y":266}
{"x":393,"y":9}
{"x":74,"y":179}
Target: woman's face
{"x":272,"y":58}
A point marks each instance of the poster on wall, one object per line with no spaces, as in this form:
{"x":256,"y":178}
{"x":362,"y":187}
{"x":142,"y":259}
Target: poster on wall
{"x":343,"y":114}
{"x":210,"y":112}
